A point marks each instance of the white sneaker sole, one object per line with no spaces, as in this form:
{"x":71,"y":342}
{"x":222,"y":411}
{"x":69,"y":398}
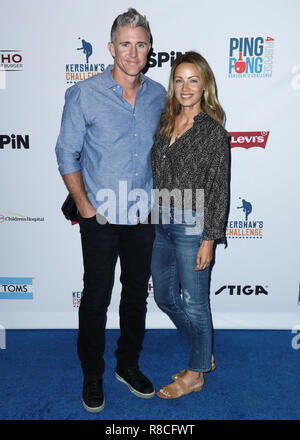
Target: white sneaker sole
{"x":134,"y":391}
{"x":93,"y":410}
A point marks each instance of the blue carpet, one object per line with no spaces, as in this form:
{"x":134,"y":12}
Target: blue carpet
{"x":257,"y":378}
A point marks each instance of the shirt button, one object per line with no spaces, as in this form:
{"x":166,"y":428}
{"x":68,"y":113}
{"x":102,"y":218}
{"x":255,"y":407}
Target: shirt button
{"x":136,"y":174}
{"x":135,"y":134}
{"x":135,"y":155}
{"x":164,"y":156}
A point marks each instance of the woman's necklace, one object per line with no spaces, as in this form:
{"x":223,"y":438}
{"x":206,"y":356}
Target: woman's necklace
{"x":181,"y":132}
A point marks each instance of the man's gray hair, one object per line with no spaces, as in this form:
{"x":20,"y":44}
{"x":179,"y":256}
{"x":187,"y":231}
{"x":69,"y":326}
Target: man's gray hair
{"x":130,"y":18}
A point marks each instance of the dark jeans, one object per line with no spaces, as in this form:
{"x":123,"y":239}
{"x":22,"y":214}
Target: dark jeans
{"x":101,"y":246}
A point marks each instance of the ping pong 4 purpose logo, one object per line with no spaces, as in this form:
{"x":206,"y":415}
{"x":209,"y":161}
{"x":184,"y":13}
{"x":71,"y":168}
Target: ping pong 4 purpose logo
{"x":251,"y":57}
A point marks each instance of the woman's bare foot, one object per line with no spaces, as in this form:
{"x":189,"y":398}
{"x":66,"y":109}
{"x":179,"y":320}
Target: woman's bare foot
{"x":193,"y":379}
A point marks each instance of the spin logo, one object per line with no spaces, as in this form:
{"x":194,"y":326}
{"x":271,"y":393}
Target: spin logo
{"x":159,"y":59}
{"x":251,"y":57}
{"x":14,"y":141}
{"x":245,"y":227}
{"x":85,"y":69}
{"x":16,"y":288}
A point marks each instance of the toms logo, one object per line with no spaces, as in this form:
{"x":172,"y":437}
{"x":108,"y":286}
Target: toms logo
{"x":16,"y":288}
{"x":245,"y":290}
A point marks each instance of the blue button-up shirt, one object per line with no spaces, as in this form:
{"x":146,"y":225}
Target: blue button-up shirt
{"x":109,"y":141}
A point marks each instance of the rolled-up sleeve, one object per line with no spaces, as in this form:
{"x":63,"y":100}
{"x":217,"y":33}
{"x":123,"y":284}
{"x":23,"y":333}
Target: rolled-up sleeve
{"x":72,"y":133}
{"x":216,"y":202}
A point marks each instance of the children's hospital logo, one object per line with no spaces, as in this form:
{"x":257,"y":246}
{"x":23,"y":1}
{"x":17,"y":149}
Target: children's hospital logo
{"x":80,"y":71}
{"x":245,"y":228}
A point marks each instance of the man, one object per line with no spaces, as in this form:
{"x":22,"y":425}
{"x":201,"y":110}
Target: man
{"x":107,"y":132}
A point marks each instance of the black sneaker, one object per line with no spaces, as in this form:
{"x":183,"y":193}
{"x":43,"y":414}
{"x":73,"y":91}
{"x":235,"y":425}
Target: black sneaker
{"x":138,"y":384}
{"x":92,"y":394}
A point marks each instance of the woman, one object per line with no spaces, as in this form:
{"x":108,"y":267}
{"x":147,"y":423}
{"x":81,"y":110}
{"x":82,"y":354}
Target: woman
{"x":190,"y":158}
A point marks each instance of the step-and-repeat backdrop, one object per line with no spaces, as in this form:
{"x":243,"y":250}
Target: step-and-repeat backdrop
{"x":253,"y":49}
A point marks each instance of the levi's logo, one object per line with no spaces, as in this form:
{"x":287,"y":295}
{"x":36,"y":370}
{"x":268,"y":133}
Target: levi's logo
{"x":248,"y":139}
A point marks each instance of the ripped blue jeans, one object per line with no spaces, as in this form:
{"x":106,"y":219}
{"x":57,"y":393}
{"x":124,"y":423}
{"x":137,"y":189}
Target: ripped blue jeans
{"x":173,"y":261}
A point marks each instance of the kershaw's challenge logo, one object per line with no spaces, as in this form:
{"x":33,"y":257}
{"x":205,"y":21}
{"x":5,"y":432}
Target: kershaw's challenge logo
{"x":251,"y":57}
{"x":246,"y":228}
{"x":76,"y":298}
{"x":80,"y":71}
{"x":248,"y":139}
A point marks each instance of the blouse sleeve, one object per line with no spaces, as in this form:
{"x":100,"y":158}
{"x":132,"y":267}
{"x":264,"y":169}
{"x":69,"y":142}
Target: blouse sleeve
{"x":216,"y":201}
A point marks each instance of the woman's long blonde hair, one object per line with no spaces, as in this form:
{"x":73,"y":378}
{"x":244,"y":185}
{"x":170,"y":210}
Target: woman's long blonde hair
{"x":209,"y":100}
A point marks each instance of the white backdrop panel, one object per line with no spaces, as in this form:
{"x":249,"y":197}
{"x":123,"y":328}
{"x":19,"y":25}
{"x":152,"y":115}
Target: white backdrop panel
{"x":255,"y":281}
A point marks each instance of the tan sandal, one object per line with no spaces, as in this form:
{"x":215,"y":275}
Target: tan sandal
{"x":180,"y":391}
{"x":181,"y":373}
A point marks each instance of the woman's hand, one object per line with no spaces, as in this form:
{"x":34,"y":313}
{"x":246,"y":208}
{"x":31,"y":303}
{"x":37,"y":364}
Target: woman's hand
{"x":204,"y":255}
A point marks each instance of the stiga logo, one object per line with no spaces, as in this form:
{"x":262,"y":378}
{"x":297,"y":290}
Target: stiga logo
{"x":246,"y":228}
{"x":11,"y":60}
{"x":248,"y":139}
{"x":158,"y":59}
{"x":243,"y":290}
{"x":14,"y":141}
{"x":251,"y":57}
{"x":16,"y":288}
{"x":80,"y":71}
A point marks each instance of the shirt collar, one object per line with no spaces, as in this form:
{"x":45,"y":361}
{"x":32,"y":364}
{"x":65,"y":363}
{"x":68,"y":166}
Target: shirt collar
{"x":110,"y":82}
